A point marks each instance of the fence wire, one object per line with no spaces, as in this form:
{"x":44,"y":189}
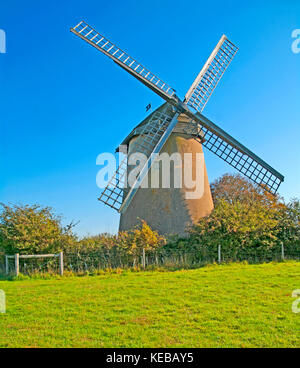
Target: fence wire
{"x":118,"y":258}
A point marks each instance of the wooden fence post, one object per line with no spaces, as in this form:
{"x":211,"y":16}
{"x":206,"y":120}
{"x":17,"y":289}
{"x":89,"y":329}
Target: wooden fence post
{"x":219,"y":253}
{"x":61,"y":263}
{"x":17,"y":266}
{"x":282,"y":251}
{"x":6,"y":265}
{"x":144,"y":259}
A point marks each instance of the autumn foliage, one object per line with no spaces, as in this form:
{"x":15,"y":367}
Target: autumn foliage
{"x":245,"y":217}
{"x":32,"y":229}
{"x":35,"y":229}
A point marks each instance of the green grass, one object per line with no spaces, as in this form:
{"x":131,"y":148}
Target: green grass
{"x":233,"y":305}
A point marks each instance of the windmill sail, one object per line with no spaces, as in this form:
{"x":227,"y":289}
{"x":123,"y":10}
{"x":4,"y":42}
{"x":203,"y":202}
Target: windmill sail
{"x":90,"y":35}
{"x":149,"y":142}
{"x":236,"y":154}
{"x":159,"y":127}
{"x":216,"y":139}
{"x":112,"y":195}
{"x":210,"y":75}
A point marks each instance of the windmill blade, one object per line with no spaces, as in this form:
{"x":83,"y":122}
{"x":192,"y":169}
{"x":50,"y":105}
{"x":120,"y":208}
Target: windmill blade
{"x":236,"y":154}
{"x":149,"y":142}
{"x":112,"y":195}
{"x":90,"y":35}
{"x":210,"y":75}
{"x":217,"y":140}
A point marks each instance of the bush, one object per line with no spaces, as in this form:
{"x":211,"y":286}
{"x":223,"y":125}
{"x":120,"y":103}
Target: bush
{"x":247,"y":220}
{"x":32,"y":229}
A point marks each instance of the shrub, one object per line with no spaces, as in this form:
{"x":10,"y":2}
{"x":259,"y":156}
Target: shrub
{"x":247,"y":219}
{"x":32,"y":229}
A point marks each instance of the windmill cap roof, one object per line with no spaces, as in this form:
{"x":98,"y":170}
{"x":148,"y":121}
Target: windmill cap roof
{"x":182,"y":127}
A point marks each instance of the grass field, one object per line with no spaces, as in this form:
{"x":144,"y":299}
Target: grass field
{"x":218,"y":306}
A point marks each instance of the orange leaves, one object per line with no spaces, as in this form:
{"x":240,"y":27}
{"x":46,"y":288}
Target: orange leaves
{"x":142,"y":237}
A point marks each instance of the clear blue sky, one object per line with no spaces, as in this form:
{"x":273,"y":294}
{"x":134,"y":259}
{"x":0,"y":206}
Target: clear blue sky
{"x":63,"y":102}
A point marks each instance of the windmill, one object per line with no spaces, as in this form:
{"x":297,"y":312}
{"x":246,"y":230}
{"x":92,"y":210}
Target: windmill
{"x":176,"y":126}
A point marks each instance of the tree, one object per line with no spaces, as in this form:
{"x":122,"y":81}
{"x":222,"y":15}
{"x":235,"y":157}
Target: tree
{"x":237,"y":225}
{"x":235,"y":188}
{"x":32,"y":229}
{"x":289,"y":224}
{"x":245,"y":215}
{"x":142,"y":237}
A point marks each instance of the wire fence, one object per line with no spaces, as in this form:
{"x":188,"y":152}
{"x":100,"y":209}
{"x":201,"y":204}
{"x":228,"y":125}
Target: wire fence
{"x":29,"y":266}
{"x":115,"y":258}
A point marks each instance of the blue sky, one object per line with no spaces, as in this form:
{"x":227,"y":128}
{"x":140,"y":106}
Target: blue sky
{"x":63,"y":102}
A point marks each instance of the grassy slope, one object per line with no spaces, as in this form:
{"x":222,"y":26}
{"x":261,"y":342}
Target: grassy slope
{"x":218,"y":306}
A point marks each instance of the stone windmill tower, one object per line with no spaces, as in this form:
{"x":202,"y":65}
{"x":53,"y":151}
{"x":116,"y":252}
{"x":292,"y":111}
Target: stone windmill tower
{"x":177,"y":127}
{"x":178,"y":207}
